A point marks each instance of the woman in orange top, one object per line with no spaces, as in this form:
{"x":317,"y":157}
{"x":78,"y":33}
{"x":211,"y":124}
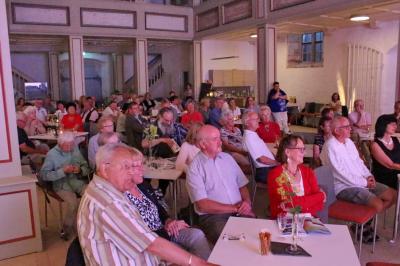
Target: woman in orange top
{"x":72,"y":121}
{"x":292,"y":177}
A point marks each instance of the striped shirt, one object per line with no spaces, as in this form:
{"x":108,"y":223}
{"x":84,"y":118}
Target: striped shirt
{"x":110,"y":230}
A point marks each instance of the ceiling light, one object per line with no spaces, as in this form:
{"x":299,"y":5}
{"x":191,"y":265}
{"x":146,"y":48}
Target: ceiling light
{"x":253,"y":35}
{"x":358,"y":18}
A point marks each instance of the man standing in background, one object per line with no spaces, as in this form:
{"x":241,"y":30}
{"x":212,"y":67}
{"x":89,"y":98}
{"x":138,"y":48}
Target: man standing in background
{"x":277,"y":101}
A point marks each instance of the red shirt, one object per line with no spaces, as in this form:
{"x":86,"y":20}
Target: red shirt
{"x":269,"y":132}
{"x":191,"y":117}
{"x":69,"y":121}
{"x":311,"y":202}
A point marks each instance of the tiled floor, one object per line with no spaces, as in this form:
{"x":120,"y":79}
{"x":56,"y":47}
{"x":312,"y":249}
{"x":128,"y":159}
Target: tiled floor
{"x":55,"y":249}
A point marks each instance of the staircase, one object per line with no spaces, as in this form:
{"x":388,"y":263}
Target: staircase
{"x":155,"y":70}
{"x":19,"y":78}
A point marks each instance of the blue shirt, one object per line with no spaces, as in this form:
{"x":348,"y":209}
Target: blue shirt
{"x":215,"y":116}
{"x":277,"y":105}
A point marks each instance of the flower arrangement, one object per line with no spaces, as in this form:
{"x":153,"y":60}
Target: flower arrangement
{"x":286,"y":192}
{"x":151,"y":132}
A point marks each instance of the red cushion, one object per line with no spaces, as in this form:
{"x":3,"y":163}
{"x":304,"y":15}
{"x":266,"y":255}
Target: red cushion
{"x":351,"y":212}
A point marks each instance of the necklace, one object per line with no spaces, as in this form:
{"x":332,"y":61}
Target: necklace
{"x":387,"y":143}
{"x":291,"y":173}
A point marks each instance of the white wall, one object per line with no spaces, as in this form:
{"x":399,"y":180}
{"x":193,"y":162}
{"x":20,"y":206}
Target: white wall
{"x":317,"y":84}
{"x":211,"y":49}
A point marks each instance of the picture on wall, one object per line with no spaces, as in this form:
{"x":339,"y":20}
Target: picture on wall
{"x":280,"y":4}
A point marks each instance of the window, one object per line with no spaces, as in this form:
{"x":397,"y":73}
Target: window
{"x":305,"y":50}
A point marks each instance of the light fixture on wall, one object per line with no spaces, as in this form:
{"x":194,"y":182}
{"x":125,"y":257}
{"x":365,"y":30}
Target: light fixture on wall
{"x":358,"y":18}
{"x":253,"y":35}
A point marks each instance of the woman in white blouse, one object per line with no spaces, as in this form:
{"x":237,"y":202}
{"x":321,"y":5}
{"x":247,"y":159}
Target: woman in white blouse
{"x":188,"y":149}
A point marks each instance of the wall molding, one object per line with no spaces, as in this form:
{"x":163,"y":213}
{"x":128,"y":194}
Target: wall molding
{"x":208,"y":19}
{"x":146,"y":14}
{"x":15,"y":6}
{"x":33,"y":235}
{"x":236,"y":10}
{"x":108,"y":11}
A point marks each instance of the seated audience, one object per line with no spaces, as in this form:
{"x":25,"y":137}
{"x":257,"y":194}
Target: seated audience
{"x":216,"y":185}
{"x":71,"y":121}
{"x":191,"y":115}
{"x":216,"y":112}
{"x":105,"y":124}
{"x":61,"y":111}
{"x":33,"y":126}
{"x":167,"y":128}
{"x":145,"y":201}
{"x":111,"y":232}
{"x":135,"y":124}
{"x":148,"y":103}
{"x":20,"y":106}
{"x":165,"y":103}
{"x":176,"y":104}
{"x":360,"y":120}
{"x":63,"y":166}
{"x":335,"y":104}
{"x":27,"y":150}
{"x":204,"y":109}
{"x":324,"y":133}
{"x":352,"y":179}
{"x":188,"y":91}
{"x":262,"y":157}
{"x":385,"y":151}
{"x":121,"y":126}
{"x":112,"y":110}
{"x":268,"y":130}
{"x":108,"y":137}
{"x":232,"y":140}
{"x":293,"y":177}
{"x":396,"y":114}
{"x":48,"y":105}
{"x":327,"y":112}
{"x":188,"y":149}
{"x":89,"y":116}
{"x":251,"y":105}
{"x":41,"y":113}
{"x":233,"y":109}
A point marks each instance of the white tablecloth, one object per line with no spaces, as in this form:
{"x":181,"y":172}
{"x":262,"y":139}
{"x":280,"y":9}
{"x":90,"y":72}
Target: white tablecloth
{"x":326,"y":250}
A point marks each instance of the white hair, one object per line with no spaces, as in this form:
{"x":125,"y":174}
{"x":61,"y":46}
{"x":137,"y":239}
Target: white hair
{"x":225,"y":116}
{"x":246,"y":117}
{"x":109,"y":150}
{"x":66,"y":137}
{"x":20,"y":116}
{"x":29,"y":109}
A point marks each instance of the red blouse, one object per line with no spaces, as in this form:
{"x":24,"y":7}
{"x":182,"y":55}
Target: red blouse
{"x":193,"y":117}
{"x":69,"y":121}
{"x":269,"y":132}
{"x":311,"y":202}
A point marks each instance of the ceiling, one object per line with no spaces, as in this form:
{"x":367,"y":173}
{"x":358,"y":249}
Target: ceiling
{"x":381,"y":11}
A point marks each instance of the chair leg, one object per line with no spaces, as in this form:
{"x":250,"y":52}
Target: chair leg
{"x":361,"y":238}
{"x":356,"y":233}
{"x":45,"y":211}
{"x":384,"y":219}
{"x":375,"y":226}
{"x":254,"y":194}
{"x":61,"y":216}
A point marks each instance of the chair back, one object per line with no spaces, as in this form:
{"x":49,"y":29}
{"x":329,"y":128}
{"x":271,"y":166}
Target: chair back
{"x":75,"y":254}
{"x":325,"y":181}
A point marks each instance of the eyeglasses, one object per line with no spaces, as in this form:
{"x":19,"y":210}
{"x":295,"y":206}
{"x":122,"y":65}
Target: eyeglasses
{"x":300,"y":149}
{"x":345,"y":127}
{"x":135,"y":166}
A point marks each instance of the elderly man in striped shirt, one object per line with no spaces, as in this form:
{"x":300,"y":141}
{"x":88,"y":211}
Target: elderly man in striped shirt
{"x":110,"y":229}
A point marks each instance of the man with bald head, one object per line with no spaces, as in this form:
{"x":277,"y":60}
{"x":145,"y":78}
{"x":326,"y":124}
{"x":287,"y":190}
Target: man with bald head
{"x":216,"y":184}
{"x":352,"y":180}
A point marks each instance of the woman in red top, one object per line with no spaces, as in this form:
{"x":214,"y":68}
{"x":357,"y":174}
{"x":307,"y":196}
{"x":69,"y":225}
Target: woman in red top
{"x":268,"y":130}
{"x":191,"y":115}
{"x":71,"y":121}
{"x":293,"y":177}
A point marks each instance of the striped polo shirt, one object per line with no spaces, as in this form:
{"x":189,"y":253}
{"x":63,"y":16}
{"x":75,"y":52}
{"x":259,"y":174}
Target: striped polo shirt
{"x":111,"y":231}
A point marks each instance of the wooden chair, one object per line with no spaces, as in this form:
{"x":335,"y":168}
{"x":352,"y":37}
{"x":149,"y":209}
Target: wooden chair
{"x":346,"y":211}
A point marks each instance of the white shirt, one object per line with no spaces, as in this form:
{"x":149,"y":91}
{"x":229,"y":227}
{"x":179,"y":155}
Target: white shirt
{"x":186,"y":156}
{"x":256,"y":147}
{"x":365,"y":120}
{"x":236,"y":112}
{"x":93,"y":116}
{"x":59,"y":114}
{"x":41,"y":114}
{"x":345,"y":162}
{"x":108,"y":111}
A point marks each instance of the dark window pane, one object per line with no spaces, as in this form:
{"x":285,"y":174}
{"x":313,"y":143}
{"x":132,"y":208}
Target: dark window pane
{"x":318,"y":47}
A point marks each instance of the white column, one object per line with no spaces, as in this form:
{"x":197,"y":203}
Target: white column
{"x":20,"y":224}
{"x":197,"y":71}
{"x":266,"y":60}
{"x":141,"y":75}
{"x":76,"y":66}
{"x":54,"y":76}
{"x":119,"y":72}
